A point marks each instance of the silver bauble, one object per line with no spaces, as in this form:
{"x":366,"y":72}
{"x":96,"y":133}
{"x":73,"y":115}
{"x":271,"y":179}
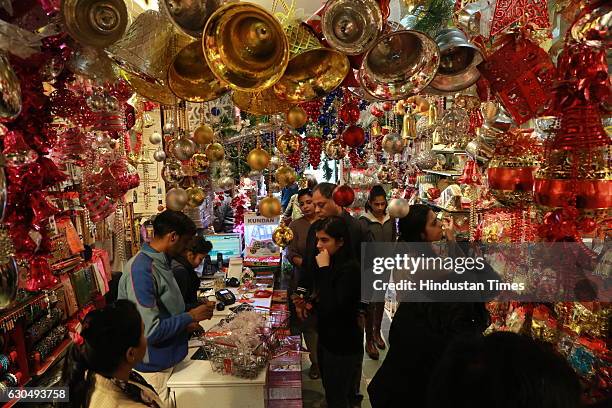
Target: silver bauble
{"x":176,"y":199}
{"x":172,"y":173}
{"x":159,"y":156}
{"x":184,"y":148}
{"x":398,"y":208}
{"x":168,"y":127}
{"x":155,"y":138}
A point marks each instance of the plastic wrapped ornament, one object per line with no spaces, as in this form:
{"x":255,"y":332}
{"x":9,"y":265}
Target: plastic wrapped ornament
{"x":199,"y":162}
{"x":203,"y":135}
{"x":176,"y":199}
{"x":159,"y":156}
{"x":288,"y":143}
{"x":282,"y":236}
{"x":195,"y":196}
{"x":343,"y":195}
{"x":215,"y":152}
{"x":285,"y":176}
{"x":184,"y":148}
{"x":173,"y":173}
{"x":398,"y":208}
{"x":155,"y":138}
{"x":258,"y":159}
{"x":296,"y":117}
{"x":353,"y":136}
{"x":393,"y":143}
{"x":334,"y":149}
{"x":275,"y":162}
{"x":270,"y":207}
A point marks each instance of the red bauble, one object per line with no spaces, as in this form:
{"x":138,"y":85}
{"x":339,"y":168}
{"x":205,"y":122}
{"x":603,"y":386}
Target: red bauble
{"x":375,"y":111}
{"x":588,"y":225}
{"x":349,"y":113}
{"x":353,"y":136}
{"x":343,"y":195}
{"x":387,"y":106}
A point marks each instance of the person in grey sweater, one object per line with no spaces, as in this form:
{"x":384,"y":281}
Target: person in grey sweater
{"x":382,"y":228}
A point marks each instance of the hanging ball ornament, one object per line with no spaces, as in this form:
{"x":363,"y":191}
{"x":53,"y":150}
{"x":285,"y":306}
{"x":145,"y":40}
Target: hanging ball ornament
{"x":282,"y":236}
{"x":275,"y":162}
{"x":285,"y":176}
{"x":215,"y":152}
{"x":226,"y":166}
{"x":168,"y":127}
{"x":398,"y":208}
{"x":176,"y":199}
{"x":270,"y":207}
{"x":343,"y":195}
{"x":226,"y":183}
{"x":392,"y":143}
{"x":195,"y":196}
{"x":334,"y":149}
{"x":172,"y":173}
{"x":296,"y":117}
{"x":155,"y":138}
{"x":258,"y":159}
{"x":354,"y":136}
{"x":199,"y":162}
{"x":288,"y":143}
{"x":159,"y":156}
{"x":184,"y":148}
{"x":203,"y":135}
{"x":349,"y":113}
{"x":387,"y":106}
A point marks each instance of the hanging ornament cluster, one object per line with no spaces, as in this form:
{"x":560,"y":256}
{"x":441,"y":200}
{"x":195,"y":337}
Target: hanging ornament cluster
{"x":315,"y":148}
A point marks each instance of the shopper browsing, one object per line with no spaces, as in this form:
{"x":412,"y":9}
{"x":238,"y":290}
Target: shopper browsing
{"x":99,"y":372}
{"x":149,"y":282}
{"x":337,"y":303}
{"x":382,"y":228}
{"x":183,"y":268}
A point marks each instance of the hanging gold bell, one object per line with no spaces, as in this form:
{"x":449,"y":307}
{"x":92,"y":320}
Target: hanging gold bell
{"x":190,"y":78}
{"x":189,"y":16}
{"x":351,"y":26}
{"x":313,"y":70}
{"x":282,"y":236}
{"x":399,"y":64}
{"x":458,"y":61}
{"x":245,"y":46}
{"x":97,"y":23}
{"x":260,"y":103}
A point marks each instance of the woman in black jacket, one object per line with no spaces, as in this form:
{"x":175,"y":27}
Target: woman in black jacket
{"x":183,"y":268}
{"x":337,"y":304}
{"x":420,"y":332}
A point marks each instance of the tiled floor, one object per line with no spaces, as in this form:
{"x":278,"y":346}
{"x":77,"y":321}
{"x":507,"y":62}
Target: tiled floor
{"x":312,"y":390}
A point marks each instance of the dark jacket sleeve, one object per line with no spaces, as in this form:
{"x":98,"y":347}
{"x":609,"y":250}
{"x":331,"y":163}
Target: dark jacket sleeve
{"x":309,"y":262}
{"x":181,"y":275}
{"x":346,"y":283}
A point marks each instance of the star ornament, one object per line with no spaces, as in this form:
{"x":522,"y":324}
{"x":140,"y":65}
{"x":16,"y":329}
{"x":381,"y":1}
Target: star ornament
{"x":509,"y":12}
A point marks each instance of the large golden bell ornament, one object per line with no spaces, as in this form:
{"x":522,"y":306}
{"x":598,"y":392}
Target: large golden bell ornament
{"x":282,"y":236}
{"x":10,"y":91}
{"x":245,"y":46}
{"x":288,"y":143}
{"x":270,"y":207}
{"x":313,"y":70}
{"x":190,"y":78}
{"x":176,"y":199}
{"x":97,"y":23}
{"x":458,"y":61}
{"x":184,"y":148}
{"x":296,"y":117}
{"x":334,"y":149}
{"x":263,"y":102}
{"x":195,"y":196}
{"x":285,"y":176}
{"x":199,"y":162}
{"x":258,"y":159}
{"x":351,"y":26}
{"x":189,"y":16}
{"x":409,"y":130}
{"x":203,"y":135}
{"x":215,"y":152}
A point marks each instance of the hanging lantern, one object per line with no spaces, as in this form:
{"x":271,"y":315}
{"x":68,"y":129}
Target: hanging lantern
{"x":270,"y":207}
{"x":215,"y":152}
{"x":288,"y":143}
{"x":258,"y":159}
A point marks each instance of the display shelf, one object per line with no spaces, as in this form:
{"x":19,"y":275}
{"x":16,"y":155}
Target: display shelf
{"x":445,"y":173}
{"x":57,"y":353}
{"x":448,"y":151}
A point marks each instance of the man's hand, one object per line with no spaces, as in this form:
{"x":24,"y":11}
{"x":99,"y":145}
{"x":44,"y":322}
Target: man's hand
{"x":202,"y":312}
{"x":302,"y":308}
{"x":195,"y":328}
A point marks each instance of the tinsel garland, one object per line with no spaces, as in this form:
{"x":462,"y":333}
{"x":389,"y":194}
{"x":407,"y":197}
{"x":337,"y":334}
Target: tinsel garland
{"x":434,"y":17}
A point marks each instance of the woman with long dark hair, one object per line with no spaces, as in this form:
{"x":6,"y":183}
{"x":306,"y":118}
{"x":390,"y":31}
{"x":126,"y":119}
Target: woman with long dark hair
{"x":338,"y":305}
{"x":382,"y":227}
{"x":99,"y":372}
{"x":420,"y":332}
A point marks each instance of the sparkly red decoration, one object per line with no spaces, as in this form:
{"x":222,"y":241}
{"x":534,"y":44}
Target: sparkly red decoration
{"x":471,"y":174}
{"x":356,"y":160}
{"x":387,"y":106}
{"x":353,"y":136}
{"x":98,"y":205}
{"x":343,"y":195}
{"x":508,"y":12}
{"x":522,"y":75}
{"x":40,"y":275}
{"x":312,"y":109}
{"x":349,"y":113}
{"x":315,"y":146}
{"x":376,"y":111}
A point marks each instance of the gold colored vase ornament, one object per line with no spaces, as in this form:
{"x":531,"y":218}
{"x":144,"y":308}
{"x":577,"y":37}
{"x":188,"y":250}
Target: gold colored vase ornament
{"x":245,"y":46}
{"x":270,"y":207}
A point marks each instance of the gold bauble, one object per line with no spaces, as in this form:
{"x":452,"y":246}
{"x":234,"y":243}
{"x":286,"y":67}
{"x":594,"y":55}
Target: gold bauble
{"x":282,"y":236}
{"x":199,"y":162}
{"x":334,"y":149}
{"x":296,"y":117}
{"x":258,"y":159}
{"x":203,"y":135}
{"x":215,"y":152}
{"x":176,"y":199}
{"x":195,"y":196}
{"x":270,"y":207}
{"x":288,"y":143}
{"x":285,"y":176}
